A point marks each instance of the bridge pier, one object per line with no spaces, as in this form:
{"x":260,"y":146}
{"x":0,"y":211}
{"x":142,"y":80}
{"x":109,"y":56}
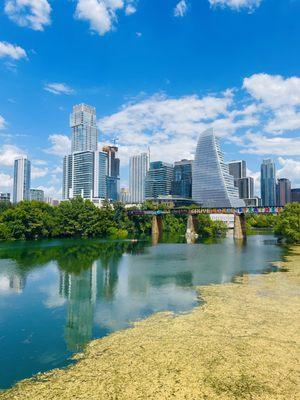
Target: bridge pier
{"x":191,"y":229}
{"x":239,"y":227}
{"x":157,"y":228}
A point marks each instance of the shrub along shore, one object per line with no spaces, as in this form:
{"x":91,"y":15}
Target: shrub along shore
{"x":81,"y":218}
{"x":243,"y":343}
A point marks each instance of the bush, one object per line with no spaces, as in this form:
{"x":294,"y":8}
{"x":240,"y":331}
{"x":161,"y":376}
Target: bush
{"x":288,"y":223}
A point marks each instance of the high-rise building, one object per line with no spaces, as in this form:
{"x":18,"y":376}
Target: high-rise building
{"x":22,"y":179}
{"x":125,"y":196}
{"x":100,"y":175}
{"x":238,"y":170}
{"x":138,"y":167}
{"x":182,"y":179}
{"x":158,"y":180}
{"x":4,"y":197}
{"x":283,"y":192}
{"x":83,"y":123}
{"x":37,"y":195}
{"x":67,"y":177}
{"x":213,"y":186}
{"x":246,"y":187}
{"x":113,"y":172}
{"x":83,"y":174}
{"x":268,"y":183}
{"x":295,"y":195}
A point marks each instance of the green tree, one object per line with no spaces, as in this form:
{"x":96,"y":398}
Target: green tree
{"x":288,"y":223}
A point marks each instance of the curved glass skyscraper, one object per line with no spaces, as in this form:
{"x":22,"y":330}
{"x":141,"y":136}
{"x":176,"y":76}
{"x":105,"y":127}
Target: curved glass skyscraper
{"x":213,"y":186}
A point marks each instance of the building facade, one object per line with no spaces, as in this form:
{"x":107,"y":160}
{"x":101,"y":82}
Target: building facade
{"x":37,"y":195}
{"x":83,"y":174}
{"x":213,"y":186}
{"x":22,"y":179}
{"x":283,"y":191}
{"x":246,"y":187}
{"x":67,"y":191}
{"x":113,"y":173}
{"x":238,"y":170}
{"x":4,"y":197}
{"x":138,"y":168}
{"x":182,"y":179}
{"x":83,"y":122}
{"x":268,"y":183}
{"x":295,"y":195}
{"x":158,"y":180}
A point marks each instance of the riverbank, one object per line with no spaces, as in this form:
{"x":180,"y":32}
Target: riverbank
{"x":242,"y":344}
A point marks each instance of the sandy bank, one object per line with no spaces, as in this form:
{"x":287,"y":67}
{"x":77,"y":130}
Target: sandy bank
{"x":242,"y":344}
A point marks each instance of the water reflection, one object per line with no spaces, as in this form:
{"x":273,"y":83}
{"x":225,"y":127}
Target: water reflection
{"x":57,"y":295}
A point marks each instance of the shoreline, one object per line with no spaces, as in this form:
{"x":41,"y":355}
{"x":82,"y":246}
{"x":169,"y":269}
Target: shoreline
{"x":242,"y":343}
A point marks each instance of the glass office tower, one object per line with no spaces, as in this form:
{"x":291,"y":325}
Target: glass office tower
{"x":246,"y":187}
{"x":83,"y":174}
{"x":83,"y":123}
{"x":268,"y":183}
{"x":113,"y":173}
{"x":238,"y":170}
{"x":213,"y":186}
{"x":138,"y":168}
{"x":158,"y":180}
{"x":67,"y":177}
{"x":22,"y":179}
{"x":283,"y":192}
{"x":182,"y":179}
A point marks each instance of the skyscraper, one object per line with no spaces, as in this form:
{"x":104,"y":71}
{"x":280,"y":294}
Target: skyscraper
{"x":283,"y":192}
{"x":37,"y":195}
{"x":83,"y":174}
{"x":67,"y":177}
{"x":182,"y":179}
{"x":138,"y":167}
{"x":100,"y":175}
{"x":238,"y":170}
{"x":213,"y":186}
{"x":22,"y":179}
{"x":83,"y":123}
{"x":158,"y":180}
{"x":295,"y":195}
{"x":246,"y":187}
{"x":268,"y":183}
{"x":113,"y":172}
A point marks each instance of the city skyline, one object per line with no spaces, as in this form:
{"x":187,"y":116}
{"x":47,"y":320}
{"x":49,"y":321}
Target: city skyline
{"x":203,"y":76}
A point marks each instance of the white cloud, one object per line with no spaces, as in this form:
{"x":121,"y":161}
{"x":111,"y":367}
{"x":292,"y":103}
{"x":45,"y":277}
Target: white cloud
{"x":273,"y":90}
{"x":60,"y":145}
{"x":285,"y":119}
{"x":6,"y":181}
{"x":8,"y":153}
{"x":236,"y":4}
{"x":37,"y":172}
{"x":51,"y":191}
{"x":34,"y":14}
{"x":290,"y":168}
{"x":255,"y":143}
{"x":8,"y":50}
{"x":181,"y":9}
{"x":2,"y":122}
{"x":58,"y":88}
{"x":102,"y":15}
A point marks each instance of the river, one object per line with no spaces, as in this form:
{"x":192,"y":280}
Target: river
{"x":57,"y":295}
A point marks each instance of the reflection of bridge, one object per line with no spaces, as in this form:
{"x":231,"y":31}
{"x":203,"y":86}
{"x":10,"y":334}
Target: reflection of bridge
{"x":192,"y":220}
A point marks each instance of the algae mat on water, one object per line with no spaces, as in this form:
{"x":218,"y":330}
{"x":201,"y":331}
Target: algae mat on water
{"x":242,"y":344}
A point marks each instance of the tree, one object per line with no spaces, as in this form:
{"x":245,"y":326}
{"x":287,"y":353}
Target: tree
{"x":288,"y":223}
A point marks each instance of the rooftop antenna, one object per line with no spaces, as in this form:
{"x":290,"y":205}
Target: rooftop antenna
{"x":149,"y":151}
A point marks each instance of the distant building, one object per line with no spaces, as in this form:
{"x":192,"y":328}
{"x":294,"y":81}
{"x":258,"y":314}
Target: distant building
{"x":182,"y":179}
{"x":22,"y":179}
{"x":67,"y":192}
{"x":83,"y":122}
{"x":253,"y":202}
{"x":125,"y":196}
{"x":246,"y":187}
{"x":213,"y":186}
{"x":283,"y":191}
{"x":100,"y":175}
{"x":295,"y":195}
{"x":173,"y":201}
{"x":37,"y":195}
{"x":238,"y":170}
{"x":138,"y":168}
{"x":268,"y":183}
{"x":158,"y":180}
{"x":113,"y":172}
{"x":4,"y":197}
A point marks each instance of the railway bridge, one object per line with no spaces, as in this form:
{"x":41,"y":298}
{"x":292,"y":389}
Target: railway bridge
{"x":192,"y":220}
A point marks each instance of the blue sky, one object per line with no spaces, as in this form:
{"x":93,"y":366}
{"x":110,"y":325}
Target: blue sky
{"x":158,"y":71}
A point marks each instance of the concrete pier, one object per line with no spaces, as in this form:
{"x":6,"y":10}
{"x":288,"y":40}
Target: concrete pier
{"x":191,"y":229}
{"x":239,"y":227}
{"x":157,"y":228}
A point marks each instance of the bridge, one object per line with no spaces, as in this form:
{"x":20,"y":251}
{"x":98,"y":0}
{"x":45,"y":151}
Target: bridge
{"x":192,"y":220}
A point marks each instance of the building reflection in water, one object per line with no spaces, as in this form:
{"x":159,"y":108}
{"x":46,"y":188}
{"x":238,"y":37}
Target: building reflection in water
{"x":82,"y":291}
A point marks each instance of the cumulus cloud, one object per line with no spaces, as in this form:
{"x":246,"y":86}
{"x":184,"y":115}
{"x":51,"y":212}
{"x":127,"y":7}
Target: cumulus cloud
{"x":236,"y":4}
{"x":60,"y":145}
{"x":58,"y":88}
{"x":51,"y":191}
{"x":102,"y":15}
{"x":8,"y":153}
{"x":2,"y":122}
{"x":181,"y":9}
{"x":6,"y":181}
{"x":290,"y":168}
{"x":255,"y":143}
{"x":37,"y":172}
{"x":34,"y":14}
{"x":8,"y":50}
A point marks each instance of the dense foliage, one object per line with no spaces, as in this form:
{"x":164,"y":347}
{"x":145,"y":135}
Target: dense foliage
{"x":266,"y":221}
{"x":288,"y":223}
{"x":208,"y":228}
